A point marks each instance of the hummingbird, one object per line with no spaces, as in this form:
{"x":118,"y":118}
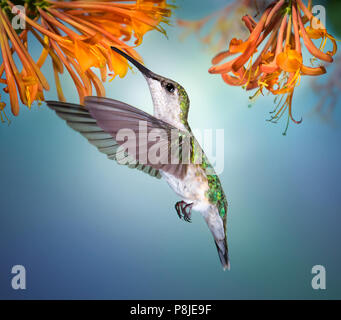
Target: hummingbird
{"x":100,"y":120}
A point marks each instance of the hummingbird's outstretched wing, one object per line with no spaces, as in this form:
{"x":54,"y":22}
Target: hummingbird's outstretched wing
{"x":79,"y":119}
{"x":101,"y":119}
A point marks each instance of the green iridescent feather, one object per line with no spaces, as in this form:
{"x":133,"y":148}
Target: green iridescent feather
{"x":215,"y":192}
{"x":184,"y":106}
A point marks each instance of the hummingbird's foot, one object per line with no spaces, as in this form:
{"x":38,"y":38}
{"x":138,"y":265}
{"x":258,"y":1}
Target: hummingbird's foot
{"x":187,"y":212}
{"x":183,"y":210}
{"x":178,"y":208}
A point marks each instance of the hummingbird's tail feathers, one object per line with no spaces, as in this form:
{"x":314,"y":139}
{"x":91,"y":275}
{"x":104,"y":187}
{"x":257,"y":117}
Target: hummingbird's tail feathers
{"x":223,"y":253}
{"x":216,"y":225}
{"x":79,"y":118}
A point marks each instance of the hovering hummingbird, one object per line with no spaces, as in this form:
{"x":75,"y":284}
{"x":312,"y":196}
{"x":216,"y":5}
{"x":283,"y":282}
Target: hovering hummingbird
{"x":101,"y":119}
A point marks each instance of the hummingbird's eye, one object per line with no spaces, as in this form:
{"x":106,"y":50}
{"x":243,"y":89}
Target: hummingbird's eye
{"x":170,"y":87}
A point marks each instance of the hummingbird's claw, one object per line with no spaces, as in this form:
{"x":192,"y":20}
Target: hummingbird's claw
{"x":187,"y":219}
{"x":187,"y":212}
{"x":178,"y":209}
{"x":183,"y":210}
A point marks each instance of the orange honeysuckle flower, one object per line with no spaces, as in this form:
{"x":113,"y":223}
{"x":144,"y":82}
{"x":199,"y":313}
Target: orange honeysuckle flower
{"x":77,"y":36}
{"x":271,"y":58}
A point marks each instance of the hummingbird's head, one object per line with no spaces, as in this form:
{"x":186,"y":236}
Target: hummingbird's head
{"x":171,"y":102}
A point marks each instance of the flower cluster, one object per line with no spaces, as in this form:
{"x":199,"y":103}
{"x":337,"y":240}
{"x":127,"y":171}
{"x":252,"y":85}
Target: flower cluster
{"x":77,"y":36}
{"x":271,"y":58}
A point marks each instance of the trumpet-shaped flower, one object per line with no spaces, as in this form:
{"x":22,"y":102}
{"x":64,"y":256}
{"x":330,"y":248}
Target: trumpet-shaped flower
{"x":77,"y":36}
{"x":271,"y":58}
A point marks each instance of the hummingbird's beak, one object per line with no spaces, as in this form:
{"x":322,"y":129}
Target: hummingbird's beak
{"x":145,"y":71}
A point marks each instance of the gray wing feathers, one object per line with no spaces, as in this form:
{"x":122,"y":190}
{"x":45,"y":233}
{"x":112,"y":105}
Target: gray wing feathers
{"x":79,"y":119}
{"x":113,"y":116}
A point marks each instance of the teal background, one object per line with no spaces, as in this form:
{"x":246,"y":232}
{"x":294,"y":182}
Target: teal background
{"x":85,"y":227}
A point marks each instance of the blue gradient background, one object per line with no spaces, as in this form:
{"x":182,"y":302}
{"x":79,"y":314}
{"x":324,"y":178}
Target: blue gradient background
{"x":85,"y":227}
